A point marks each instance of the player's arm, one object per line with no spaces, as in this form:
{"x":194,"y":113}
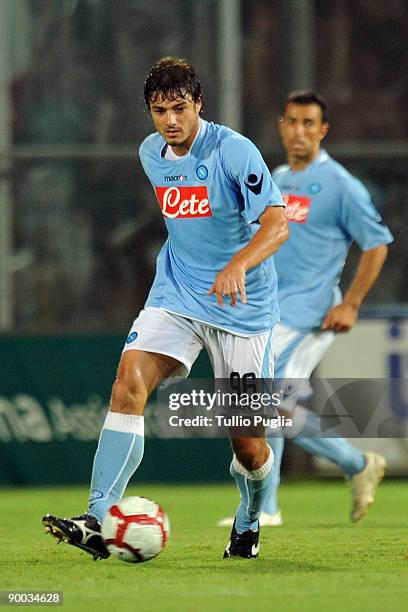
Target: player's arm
{"x":272,"y":233}
{"x":343,"y":317}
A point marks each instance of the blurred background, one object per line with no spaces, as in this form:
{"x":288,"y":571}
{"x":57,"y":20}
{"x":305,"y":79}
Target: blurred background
{"x":79,"y":226}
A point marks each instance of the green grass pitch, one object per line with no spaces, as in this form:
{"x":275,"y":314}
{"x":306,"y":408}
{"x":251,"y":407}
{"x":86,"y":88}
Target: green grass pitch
{"x":316,"y":561}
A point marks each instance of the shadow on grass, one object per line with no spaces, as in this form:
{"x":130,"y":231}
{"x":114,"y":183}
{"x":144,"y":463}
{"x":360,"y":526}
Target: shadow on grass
{"x":366,"y":525}
{"x":251,"y":566}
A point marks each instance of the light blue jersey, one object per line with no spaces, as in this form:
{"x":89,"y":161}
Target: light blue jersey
{"x":211,"y":200}
{"x":327,"y":208}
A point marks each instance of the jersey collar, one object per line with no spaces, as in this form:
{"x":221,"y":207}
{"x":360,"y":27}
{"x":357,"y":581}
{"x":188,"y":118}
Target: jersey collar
{"x":322,"y":157}
{"x":199,"y":137}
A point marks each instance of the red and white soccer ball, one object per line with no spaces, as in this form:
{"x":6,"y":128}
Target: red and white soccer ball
{"x":135,"y":530}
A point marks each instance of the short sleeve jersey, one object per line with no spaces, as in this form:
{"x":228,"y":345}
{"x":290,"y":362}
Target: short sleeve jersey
{"x":327,"y":209}
{"x":211,"y":200}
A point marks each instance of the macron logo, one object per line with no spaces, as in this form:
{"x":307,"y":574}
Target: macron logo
{"x":184,"y":202}
{"x":176,"y":177}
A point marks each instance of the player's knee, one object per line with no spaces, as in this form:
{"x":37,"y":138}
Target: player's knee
{"x":252,"y":453}
{"x":129,"y":392}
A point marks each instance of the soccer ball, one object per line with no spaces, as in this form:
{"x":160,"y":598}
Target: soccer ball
{"x":135,"y":530}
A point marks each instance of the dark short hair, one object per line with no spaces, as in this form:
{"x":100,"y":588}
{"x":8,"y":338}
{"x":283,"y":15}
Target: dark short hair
{"x":171,"y":77}
{"x":307,"y":97}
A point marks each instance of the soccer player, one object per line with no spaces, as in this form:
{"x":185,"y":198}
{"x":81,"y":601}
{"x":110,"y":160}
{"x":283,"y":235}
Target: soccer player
{"x":327,"y":209}
{"x":215,"y":287}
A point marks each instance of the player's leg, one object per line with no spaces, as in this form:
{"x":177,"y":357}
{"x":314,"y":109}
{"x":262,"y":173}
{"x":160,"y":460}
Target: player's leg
{"x":283,"y":340}
{"x":121,"y":443}
{"x":350,"y":459}
{"x":251,"y":465}
{"x":120,"y":448}
{"x":298,"y":354}
{"x":270,"y":515}
{"x":253,"y":459}
{"x":364,"y":470}
{"x":251,"y":468}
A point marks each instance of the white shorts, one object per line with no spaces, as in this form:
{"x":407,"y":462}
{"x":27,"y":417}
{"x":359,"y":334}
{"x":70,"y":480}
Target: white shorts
{"x":297,"y":353}
{"x":158,"y":331}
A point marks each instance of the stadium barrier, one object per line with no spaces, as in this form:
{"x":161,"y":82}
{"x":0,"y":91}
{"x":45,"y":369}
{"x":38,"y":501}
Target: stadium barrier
{"x":54,"y":393}
{"x":376,"y":349}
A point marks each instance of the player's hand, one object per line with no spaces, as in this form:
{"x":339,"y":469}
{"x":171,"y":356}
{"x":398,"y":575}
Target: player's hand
{"x":341,"y":318}
{"x":228,"y":283}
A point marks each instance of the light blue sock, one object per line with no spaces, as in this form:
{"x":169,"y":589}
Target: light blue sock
{"x":337,"y":450}
{"x":119,"y":453}
{"x":271,"y":503}
{"x":241,"y":513}
{"x":253,"y":488}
